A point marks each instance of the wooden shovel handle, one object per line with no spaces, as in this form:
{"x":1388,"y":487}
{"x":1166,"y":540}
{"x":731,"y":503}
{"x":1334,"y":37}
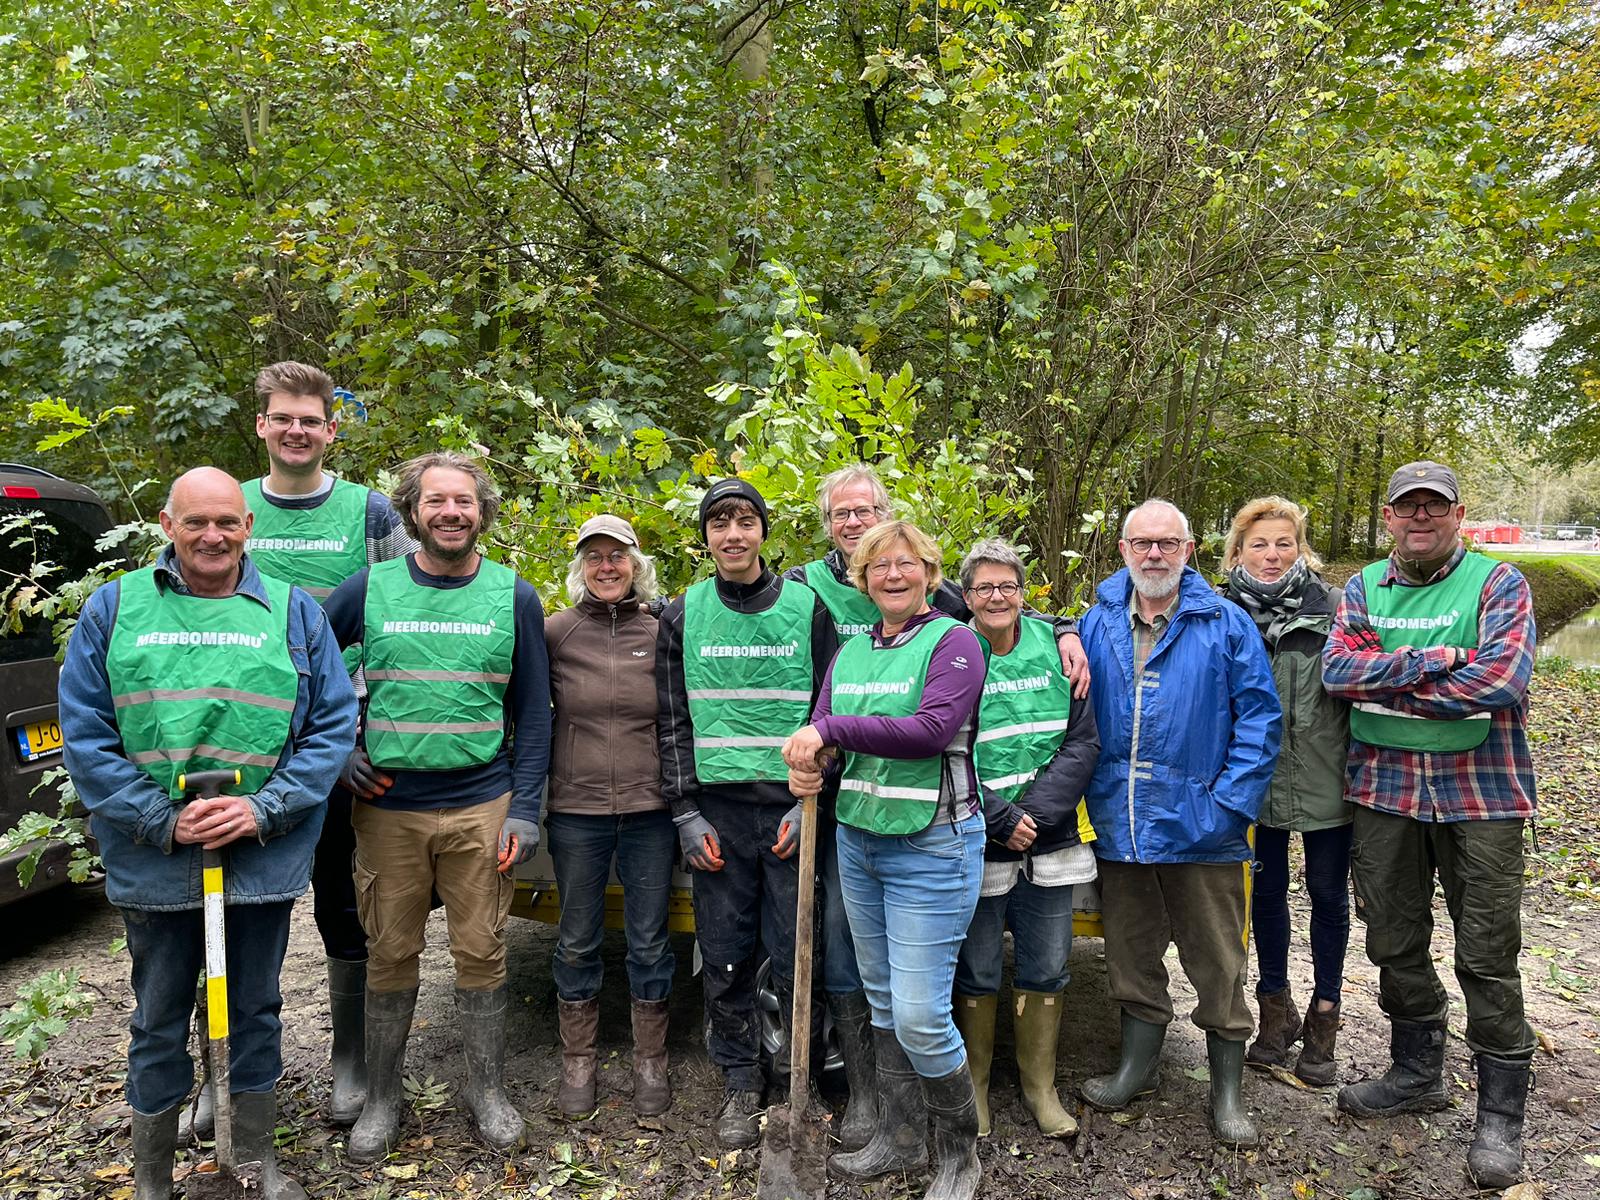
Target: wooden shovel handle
{"x":804,"y":927}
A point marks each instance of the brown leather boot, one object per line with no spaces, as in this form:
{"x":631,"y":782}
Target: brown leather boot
{"x":652,"y":1088}
{"x":580,"y":1024}
{"x":1280,"y":1030}
{"x":1319,"y":1034}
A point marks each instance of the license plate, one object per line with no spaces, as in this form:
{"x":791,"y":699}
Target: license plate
{"x":38,"y":739}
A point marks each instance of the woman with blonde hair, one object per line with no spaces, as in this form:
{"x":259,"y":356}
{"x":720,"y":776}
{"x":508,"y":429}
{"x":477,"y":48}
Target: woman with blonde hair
{"x":1272,"y":575}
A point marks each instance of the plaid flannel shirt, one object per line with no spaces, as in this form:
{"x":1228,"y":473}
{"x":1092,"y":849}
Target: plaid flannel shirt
{"x":1492,"y":781}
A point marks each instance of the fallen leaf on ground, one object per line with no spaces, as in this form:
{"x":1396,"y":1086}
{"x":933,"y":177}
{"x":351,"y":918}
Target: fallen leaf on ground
{"x":401,"y":1171}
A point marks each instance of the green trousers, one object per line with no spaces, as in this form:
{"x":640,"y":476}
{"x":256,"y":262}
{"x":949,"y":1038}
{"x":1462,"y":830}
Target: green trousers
{"x":1478,"y":864}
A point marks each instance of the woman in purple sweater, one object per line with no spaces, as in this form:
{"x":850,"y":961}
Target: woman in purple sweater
{"x":899,"y":704}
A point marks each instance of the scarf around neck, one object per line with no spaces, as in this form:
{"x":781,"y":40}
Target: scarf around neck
{"x":1272,"y":605}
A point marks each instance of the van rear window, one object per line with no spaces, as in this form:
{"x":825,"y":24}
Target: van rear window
{"x":70,"y":547}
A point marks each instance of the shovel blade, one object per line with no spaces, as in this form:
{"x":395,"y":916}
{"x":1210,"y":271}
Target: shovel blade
{"x":793,"y":1157}
{"x":212,"y":1181}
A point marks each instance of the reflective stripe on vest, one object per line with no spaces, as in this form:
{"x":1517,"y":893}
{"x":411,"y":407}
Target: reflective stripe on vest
{"x":1437,"y":614}
{"x":849,"y":607}
{"x":438,"y":661}
{"x":749,"y":679}
{"x":888,"y":796}
{"x":162,"y":637}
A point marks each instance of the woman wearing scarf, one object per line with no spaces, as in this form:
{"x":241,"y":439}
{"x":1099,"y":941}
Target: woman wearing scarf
{"x":1271,"y":574}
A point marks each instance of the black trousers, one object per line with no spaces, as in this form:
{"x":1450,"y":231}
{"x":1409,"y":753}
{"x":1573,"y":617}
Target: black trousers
{"x":333,"y":883}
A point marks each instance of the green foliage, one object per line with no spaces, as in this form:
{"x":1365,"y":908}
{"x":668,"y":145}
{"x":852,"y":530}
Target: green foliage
{"x":43,"y":1008}
{"x":34,"y":830}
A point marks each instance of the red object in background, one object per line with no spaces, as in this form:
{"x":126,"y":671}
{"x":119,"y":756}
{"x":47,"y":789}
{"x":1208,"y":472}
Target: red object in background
{"x":17,"y":492}
{"x":1488,"y":534}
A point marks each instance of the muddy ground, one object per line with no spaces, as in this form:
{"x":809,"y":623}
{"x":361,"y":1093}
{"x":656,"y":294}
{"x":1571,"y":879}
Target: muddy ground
{"x":65,"y":1130}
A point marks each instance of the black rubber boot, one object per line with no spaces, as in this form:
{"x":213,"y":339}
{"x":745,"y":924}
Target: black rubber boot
{"x":900,"y":1142}
{"x":1495,"y":1159}
{"x":1138,"y":1071}
{"x":388,"y":1026}
{"x":255,"y":1120}
{"x":483,"y":1038}
{"x":1414,"y":1081}
{"x":347,"y":1004}
{"x":852,"y":1021}
{"x":1230,"y":1120}
{"x":155,"y":1140}
{"x":953,"y":1113}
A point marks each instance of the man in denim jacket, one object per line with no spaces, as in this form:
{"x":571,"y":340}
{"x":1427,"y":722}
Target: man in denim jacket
{"x":199,"y":663}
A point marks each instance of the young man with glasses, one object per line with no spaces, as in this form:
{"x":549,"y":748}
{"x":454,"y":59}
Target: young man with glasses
{"x":1434,"y":646}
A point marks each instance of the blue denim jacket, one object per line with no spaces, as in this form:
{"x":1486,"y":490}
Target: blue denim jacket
{"x":133,"y":818}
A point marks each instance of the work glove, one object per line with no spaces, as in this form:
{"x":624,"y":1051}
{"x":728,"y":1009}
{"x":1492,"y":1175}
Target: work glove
{"x":1360,"y":638}
{"x":361,"y":777}
{"x":788,"y":833}
{"x":698,"y":840}
{"x":518,"y":840}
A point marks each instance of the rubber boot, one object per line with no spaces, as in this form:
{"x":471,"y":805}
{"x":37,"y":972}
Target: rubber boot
{"x":1495,"y":1158}
{"x":953,"y":1113}
{"x":900,"y":1142}
{"x":155,"y":1140}
{"x":1414,"y":1081}
{"x":652,"y":1085}
{"x":347,"y":1004}
{"x":1136,"y":1073}
{"x":198,"y":1121}
{"x":1320,"y":1036}
{"x":388,"y":1026}
{"x":580,"y":1025}
{"x":1038,"y":1030}
{"x":975,"y":1019}
{"x":483,"y":1038}
{"x":1230,"y":1120}
{"x":852,"y":1021}
{"x":255,"y":1121}
{"x":1279,"y":1031}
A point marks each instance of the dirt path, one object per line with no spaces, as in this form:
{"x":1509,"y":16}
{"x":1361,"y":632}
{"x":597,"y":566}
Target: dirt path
{"x":65,"y":1124}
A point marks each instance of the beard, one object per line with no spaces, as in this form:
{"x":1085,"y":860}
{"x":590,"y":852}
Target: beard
{"x":445,"y":554}
{"x":1155,"y":587}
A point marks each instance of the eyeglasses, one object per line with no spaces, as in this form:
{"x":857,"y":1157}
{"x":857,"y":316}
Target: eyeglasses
{"x":903,"y":566}
{"x":840,"y":515}
{"x":285,"y":421}
{"x":984,"y":590}
{"x":1167,"y":545}
{"x":201,"y":524}
{"x":1437,"y":507}
{"x":616,"y":558}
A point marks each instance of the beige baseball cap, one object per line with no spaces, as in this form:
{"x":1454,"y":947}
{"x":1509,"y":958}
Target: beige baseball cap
{"x":607,"y":525}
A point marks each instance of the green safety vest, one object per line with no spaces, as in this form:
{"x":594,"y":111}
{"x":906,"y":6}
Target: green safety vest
{"x":749,"y":680}
{"x":1023,"y":716}
{"x":1438,"y":614}
{"x":889,"y":796}
{"x":314,"y":548}
{"x":438,"y":661}
{"x":201,"y":683}
{"x":849,"y":607}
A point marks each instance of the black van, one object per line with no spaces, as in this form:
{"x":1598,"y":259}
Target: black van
{"x":28,"y":668}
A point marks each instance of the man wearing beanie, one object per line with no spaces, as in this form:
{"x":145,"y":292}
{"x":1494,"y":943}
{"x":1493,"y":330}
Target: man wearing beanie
{"x":740,"y":658}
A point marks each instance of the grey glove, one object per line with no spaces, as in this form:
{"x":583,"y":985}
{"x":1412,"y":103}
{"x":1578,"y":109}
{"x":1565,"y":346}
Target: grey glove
{"x":788,"y":833}
{"x":361,"y":777}
{"x":698,"y":840}
{"x":518,"y":840}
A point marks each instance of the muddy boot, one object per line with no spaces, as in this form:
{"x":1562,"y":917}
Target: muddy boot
{"x":1038,"y":1029}
{"x":1414,"y":1081}
{"x":1319,"y":1035}
{"x":255,"y":1120}
{"x":652,"y":1086}
{"x":975,"y":1019}
{"x":1230,"y":1121}
{"x":852,"y":1021}
{"x":1138,"y":1071}
{"x":388,"y":1026}
{"x":580,"y":1024}
{"x":737,"y":1123}
{"x":1495,"y":1158}
{"x":953,"y":1113}
{"x":155,"y":1139}
{"x":483,"y":1039}
{"x":1278,"y":1032}
{"x":900,"y":1142}
{"x":347,"y":1004}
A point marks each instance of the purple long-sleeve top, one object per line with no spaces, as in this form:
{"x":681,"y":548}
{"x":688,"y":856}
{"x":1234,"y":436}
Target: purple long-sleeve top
{"x":946,"y":718}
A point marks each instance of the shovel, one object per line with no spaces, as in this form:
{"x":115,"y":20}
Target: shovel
{"x":793,"y":1146}
{"x":224,"y":1179}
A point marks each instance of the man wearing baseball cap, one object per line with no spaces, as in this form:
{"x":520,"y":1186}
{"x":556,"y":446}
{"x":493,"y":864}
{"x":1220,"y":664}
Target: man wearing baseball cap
{"x":740,"y":658}
{"x":1434,"y":647}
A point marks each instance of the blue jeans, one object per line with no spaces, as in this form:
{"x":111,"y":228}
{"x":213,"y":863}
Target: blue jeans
{"x":1327,"y":882}
{"x":582,"y":848}
{"x":910,"y":900}
{"x":1041,"y":932}
{"x":840,"y":975}
{"x":169,"y":951}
